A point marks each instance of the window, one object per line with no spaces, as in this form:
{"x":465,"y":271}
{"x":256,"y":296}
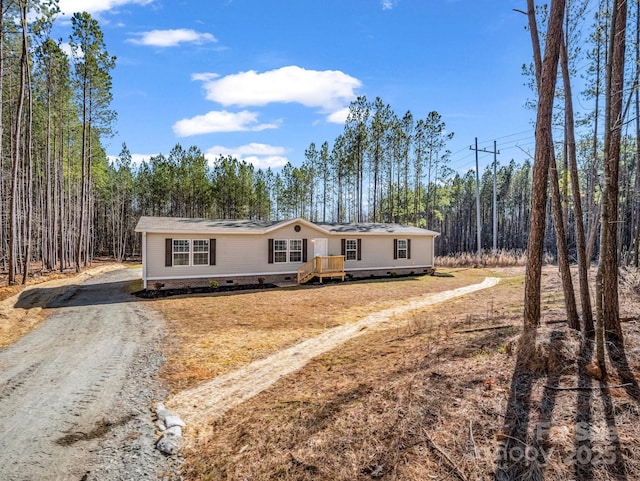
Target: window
{"x":279,"y":250}
{"x":180,"y":252}
{"x":287,"y":250}
{"x":402,"y":249}
{"x":201,"y":252}
{"x":295,"y":250}
{"x":190,"y":252}
{"x":351,"y":250}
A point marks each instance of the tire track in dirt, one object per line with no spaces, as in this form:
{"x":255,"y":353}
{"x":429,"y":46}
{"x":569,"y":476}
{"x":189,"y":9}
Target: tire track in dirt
{"x":76,"y":390}
{"x":200,"y":405}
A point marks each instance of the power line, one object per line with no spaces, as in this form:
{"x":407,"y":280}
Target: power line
{"x":495,"y":152}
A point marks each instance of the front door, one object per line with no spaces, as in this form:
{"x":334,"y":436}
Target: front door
{"x":320,"y":247}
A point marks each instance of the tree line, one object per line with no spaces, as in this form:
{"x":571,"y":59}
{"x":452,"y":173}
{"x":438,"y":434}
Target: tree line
{"x":62,"y":201}
{"x":55,"y":110}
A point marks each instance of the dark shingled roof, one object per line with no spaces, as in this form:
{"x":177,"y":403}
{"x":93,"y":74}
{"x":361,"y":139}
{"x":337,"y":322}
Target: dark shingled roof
{"x":226,"y":226}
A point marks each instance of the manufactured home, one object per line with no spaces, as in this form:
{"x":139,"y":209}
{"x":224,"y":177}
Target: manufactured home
{"x":179,"y":252}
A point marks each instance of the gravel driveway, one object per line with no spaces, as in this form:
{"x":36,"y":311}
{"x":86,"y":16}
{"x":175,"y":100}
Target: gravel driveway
{"x":75,"y":392}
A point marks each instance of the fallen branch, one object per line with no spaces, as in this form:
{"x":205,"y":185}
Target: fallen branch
{"x":453,"y":465}
{"x":586,"y":388}
{"x":473,"y":441}
{"x":478,"y":329}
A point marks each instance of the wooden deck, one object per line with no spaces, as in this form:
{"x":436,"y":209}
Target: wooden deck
{"x":321,"y":267}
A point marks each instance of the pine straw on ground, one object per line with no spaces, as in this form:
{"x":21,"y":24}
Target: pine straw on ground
{"x":430,"y":402}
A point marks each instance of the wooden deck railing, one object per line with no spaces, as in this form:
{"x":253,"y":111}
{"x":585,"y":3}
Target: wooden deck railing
{"x":321,"y":266}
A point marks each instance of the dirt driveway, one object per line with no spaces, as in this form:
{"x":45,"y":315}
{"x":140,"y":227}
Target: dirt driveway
{"x":75,"y":392}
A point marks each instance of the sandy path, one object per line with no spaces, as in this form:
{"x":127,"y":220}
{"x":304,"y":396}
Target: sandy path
{"x":76,"y":391}
{"x":199,"y":405}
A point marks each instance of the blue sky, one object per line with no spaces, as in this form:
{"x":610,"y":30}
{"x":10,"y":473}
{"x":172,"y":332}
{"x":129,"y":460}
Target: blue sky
{"x":262,"y":79}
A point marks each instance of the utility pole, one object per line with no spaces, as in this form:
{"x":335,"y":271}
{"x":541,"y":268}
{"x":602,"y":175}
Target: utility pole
{"x":495,"y":196}
{"x":495,"y":214}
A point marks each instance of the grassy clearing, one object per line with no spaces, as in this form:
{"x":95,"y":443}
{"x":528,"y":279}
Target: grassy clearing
{"x":219,"y":333}
{"x":419,"y":401}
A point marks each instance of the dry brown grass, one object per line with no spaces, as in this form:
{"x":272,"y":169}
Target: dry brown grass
{"x":630,"y":280}
{"x":419,"y":401}
{"x":215,"y":334}
{"x":498,"y":258}
{"x":423,"y":402}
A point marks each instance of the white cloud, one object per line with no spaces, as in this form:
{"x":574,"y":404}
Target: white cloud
{"x":172,"y":37}
{"x":69,"y":7}
{"x":388,"y":4}
{"x":136,"y":159}
{"x":339,"y":116}
{"x":220,"y":121}
{"x":261,"y":156}
{"x":204,"y":77}
{"x":248,"y":149}
{"x":274,"y":161}
{"x":66,"y":48}
{"x":328,"y":90}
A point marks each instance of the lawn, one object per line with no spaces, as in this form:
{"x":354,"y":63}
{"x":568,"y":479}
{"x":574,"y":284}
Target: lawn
{"x":430,"y":398}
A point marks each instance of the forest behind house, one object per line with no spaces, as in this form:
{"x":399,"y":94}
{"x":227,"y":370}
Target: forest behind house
{"x":63,"y":201}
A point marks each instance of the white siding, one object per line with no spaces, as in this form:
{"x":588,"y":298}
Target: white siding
{"x":248,"y":254}
{"x":244,"y":254}
{"x":377,"y":252}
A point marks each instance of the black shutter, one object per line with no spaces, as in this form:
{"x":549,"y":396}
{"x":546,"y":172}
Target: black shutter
{"x":304,"y":250}
{"x":212,"y":252}
{"x":359,"y":255}
{"x":270,"y":251}
{"x":408,"y":248}
{"x":343,"y":243}
{"x":395,"y":248}
{"x":168,"y":252}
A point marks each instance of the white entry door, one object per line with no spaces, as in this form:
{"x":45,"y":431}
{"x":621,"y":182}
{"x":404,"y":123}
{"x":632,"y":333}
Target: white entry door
{"x":320,"y":247}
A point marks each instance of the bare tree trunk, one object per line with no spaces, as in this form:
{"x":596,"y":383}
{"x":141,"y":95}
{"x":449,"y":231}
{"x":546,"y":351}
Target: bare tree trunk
{"x":61,"y":207}
{"x":636,"y":198}
{"x":2,"y":227}
{"x":83,"y":181}
{"x":49,"y":206}
{"x":17,"y":134}
{"x":570,"y":137}
{"x":593,"y":216}
{"x":29,"y":182}
{"x":544,"y":149}
{"x":600,"y":323}
{"x":563,"y":252}
{"x":593,"y":232}
{"x":609,"y":247}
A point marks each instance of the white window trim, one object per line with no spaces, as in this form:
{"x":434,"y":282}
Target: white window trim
{"x":405,"y":249}
{"x":190,"y":252}
{"x":291,"y":251}
{"x":174,"y":252}
{"x":288,"y":251}
{"x":347,"y":250}
{"x":207,"y":252}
